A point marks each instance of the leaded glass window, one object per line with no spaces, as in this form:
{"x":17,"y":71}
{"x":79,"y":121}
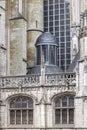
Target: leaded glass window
{"x":64,"y":110}
{"x":21,"y":110}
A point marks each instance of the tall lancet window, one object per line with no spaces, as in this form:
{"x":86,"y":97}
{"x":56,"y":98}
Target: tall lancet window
{"x":20,"y":7}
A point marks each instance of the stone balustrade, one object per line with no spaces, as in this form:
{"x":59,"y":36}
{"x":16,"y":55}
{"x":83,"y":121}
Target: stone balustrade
{"x":61,"y":79}
{"x":64,"y":79}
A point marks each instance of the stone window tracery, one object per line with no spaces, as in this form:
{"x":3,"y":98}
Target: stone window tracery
{"x":64,"y":110}
{"x":21,"y":110}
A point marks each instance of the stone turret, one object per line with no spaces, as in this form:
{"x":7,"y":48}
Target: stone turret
{"x":35,"y":28}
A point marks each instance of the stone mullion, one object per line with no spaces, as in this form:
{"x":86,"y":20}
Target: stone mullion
{"x":67,"y":116}
{"x":21,"y":115}
{"x":60,"y":116}
{"x":15,"y":117}
{"x":27,"y":116}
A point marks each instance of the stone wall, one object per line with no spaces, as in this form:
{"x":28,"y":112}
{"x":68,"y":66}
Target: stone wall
{"x":18,"y":45}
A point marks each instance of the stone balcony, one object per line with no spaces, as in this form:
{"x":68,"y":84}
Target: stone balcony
{"x":63,"y":79}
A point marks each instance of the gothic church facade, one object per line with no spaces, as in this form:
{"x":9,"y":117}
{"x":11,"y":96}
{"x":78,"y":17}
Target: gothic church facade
{"x":34,"y":92}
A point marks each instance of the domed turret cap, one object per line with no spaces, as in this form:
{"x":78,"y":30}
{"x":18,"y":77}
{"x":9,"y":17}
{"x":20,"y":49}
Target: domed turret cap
{"x":45,"y":39}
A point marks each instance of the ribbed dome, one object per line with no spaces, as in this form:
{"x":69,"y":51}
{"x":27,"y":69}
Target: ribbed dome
{"x":46,"y":38}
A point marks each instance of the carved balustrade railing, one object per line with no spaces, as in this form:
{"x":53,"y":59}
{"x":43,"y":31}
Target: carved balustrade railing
{"x":64,"y":79}
{"x":20,"y":81}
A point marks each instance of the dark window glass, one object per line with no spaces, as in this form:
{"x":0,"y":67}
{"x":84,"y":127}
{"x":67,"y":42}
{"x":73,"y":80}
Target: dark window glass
{"x":57,"y":116}
{"x":57,"y":39}
{"x":45,"y":24}
{"x":63,"y":68}
{"x":51,"y":23}
{"x":61,"y":16}
{"x":18,"y":103}
{"x":62,"y":61}
{"x":18,"y":117}
{"x":68,"y":44}
{"x":62,"y":11}
{"x":30,"y":117}
{"x":67,"y":10}
{"x":67,"y":21}
{"x":57,"y":29}
{"x":62,"y":50}
{"x":67,"y":15}
{"x":56,"y":11}
{"x":56,"y":6}
{"x":68,"y":50}
{"x":57,"y":17}
{"x":67,"y":33}
{"x":45,"y":8}
{"x":56,"y":23}
{"x":71,"y":116}
{"x":67,"y":56}
{"x":62,"y":28}
{"x":24,"y":103}
{"x":51,"y":7}
{"x":67,"y":61}
{"x":51,"y":18}
{"x":57,"y":103}
{"x":56,"y":1}
{"x":57,"y":33}
{"x":52,"y":55}
{"x":64,"y":115}
{"x":62,"y":57}
{"x":62,"y":44}
{"x":45,"y":52}
{"x":50,"y":1}
{"x":45,"y":2}
{"x":45,"y":13}
{"x":61,"y":5}
{"x":51,"y":13}
{"x":61,"y":1}
{"x":45,"y":29}
{"x":45,"y":18}
{"x":67,"y":38}
{"x":64,"y":102}
{"x":12,"y":117}
{"x":62,"y":33}
{"x":67,"y":27}
{"x":22,"y":112}
{"x":24,"y":116}
{"x":38,"y":55}
{"x":71,"y":101}
{"x":51,"y":28}
{"x":62,"y":39}
{"x":62,"y":22}
{"x":30,"y":103}
{"x":12,"y":103}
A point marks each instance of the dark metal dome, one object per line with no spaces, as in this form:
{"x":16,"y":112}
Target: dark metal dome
{"x":45,"y":39}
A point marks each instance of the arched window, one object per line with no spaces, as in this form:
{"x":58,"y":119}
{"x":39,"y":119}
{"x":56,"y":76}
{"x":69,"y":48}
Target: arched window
{"x":64,"y":110}
{"x":21,"y":110}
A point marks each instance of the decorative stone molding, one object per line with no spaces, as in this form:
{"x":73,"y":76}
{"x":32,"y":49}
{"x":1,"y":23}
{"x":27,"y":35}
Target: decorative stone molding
{"x":35,"y":80}
{"x":83,"y":32}
{"x":75,"y":30}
